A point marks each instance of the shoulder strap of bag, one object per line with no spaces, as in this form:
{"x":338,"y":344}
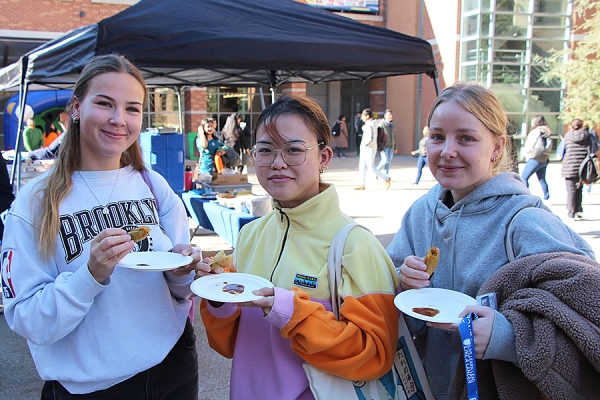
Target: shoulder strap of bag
{"x":146,"y":178}
{"x":334,"y":265}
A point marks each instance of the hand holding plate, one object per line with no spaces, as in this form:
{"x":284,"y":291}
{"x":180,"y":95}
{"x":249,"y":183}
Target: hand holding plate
{"x":186,"y":250}
{"x":266,"y":303}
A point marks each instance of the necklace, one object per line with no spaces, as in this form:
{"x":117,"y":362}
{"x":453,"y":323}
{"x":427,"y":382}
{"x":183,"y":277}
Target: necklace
{"x":105,"y":209}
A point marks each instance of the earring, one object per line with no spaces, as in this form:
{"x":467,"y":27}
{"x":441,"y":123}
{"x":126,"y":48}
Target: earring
{"x":495,"y":159}
{"x":74,"y":118}
{"x":321,"y":170}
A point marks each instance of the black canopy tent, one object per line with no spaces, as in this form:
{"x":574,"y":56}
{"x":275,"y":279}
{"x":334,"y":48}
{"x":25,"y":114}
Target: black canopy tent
{"x":214,"y":42}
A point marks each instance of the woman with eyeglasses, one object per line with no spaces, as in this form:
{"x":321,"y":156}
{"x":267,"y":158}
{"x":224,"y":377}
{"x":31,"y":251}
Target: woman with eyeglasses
{"x":207,"y":144}
{"x":270,"y":338}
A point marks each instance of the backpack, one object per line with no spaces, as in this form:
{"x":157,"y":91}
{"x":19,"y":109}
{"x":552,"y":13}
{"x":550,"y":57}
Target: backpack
{"x":337,"y":129}
{"x":381,"y":138}
{"x":542,"y":148}
{"x":589,"y":169}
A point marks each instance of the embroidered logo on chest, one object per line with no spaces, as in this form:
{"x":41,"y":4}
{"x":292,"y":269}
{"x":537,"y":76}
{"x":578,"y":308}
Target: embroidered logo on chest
{"x":306,"y":281}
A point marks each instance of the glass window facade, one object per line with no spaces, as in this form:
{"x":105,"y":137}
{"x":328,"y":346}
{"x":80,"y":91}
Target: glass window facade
{"x":221,"y":101}
{"x":501,"y":43}
{"x":162,"y":110}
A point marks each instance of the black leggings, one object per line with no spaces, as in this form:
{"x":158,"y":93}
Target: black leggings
{"x":175,"y":378}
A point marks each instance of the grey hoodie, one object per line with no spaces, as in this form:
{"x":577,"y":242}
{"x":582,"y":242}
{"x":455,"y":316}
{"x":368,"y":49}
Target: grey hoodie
{"x":470,"y":236}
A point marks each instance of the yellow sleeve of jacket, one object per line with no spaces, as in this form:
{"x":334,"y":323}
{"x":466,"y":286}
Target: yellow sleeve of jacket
{"x":223,"y":331}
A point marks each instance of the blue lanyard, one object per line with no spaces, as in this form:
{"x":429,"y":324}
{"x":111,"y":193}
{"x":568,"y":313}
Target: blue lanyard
{"x":466,"y":336}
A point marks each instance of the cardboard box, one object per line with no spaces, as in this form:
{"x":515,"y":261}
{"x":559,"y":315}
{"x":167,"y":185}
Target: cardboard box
{"x":233,"y":179}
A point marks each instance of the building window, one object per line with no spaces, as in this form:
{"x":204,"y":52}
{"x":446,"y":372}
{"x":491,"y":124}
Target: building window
{"x":222,"y":101}
{"x":501,"y":42}
{"x":163,"y":109}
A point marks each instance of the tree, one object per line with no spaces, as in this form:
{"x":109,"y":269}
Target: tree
{"x":579,"y":67}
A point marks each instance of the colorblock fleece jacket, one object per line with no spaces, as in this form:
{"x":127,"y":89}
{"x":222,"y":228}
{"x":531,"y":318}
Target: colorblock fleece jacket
{"x":86,"y":335}
{"x":289,"y":246}
{"x":470,"y":235}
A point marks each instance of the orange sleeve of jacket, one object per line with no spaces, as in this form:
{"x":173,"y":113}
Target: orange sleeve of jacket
{"x":361,"y":346}
{"x":221,"y":332}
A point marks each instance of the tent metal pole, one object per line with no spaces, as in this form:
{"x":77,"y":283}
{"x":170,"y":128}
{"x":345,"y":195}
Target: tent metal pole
{"x":262,"y":97}
{"x":23,"y":88}
{"x":180,"y":113}
{"x":419,"y":82}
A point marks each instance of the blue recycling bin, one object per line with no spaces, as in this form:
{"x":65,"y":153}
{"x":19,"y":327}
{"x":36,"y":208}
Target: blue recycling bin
{"x":164,"y":153}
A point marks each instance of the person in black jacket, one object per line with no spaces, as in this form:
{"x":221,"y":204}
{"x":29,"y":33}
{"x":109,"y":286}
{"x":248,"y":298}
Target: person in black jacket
{"x":578,"y":143}
{"x":6,"y":199}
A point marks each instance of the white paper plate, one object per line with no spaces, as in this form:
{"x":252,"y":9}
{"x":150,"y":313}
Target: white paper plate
{"x":210,"y":287}
{"x":154,"y":261}
{"x":449,"y":302}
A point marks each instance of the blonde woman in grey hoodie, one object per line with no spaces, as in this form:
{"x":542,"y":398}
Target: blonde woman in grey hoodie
{"x":467,"y":215}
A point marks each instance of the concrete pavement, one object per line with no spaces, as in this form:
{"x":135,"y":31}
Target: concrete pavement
{"x":378,"y":209}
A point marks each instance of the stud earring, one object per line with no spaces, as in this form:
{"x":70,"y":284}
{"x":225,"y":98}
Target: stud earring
{"x":495,"y":159}
{"x":74,"y":118}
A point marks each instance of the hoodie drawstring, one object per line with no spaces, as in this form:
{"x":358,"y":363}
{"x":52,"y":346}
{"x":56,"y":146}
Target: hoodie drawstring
{"x":453,"y":255}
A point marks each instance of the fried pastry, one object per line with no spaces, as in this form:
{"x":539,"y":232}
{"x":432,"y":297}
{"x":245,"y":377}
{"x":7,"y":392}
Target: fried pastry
{"x":431,"y":260}
{"x":139,"y":233}
{"x":222,"y":260}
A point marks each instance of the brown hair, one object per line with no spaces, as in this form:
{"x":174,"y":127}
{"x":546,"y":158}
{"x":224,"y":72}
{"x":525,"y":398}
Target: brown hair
{"x":58,"y":182}
{"x":484,"y":105}
{"x":305,"y":108}
{"x":577,"y":124}
{"x":538,"y":120}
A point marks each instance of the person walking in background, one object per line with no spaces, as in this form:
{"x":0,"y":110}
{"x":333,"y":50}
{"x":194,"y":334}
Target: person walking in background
{"x":33,"y":137}
{"x":96,"y":330}
{"x":245,"y":142}
{"x":368,"y":148}
{"x":577,"y":144}
{"x":207,"y":145}
{"x":422,"y":153}
{"x":475,"y":196}
{"x":292,"y":325}
{"x":537,"y":149}
{"x":390,"y":148}
{"x":51,"y":135}
{"x":339,"y":136}
{"x":232,"y":133}
{"x":358,"y":131}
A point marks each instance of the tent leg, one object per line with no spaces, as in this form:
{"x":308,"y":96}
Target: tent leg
{"x":262,"y":97}
{"x":180,"y":113}
{"x":437,"y":85}
{"x":16,"y":171}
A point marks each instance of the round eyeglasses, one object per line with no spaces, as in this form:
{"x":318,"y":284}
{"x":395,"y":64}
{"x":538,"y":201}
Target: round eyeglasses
{"x":292,"y":153}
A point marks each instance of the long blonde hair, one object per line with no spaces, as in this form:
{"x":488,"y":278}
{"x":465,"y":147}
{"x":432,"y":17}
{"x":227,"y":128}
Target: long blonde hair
{"x":484,"y":105}
{"x":58,"y":183}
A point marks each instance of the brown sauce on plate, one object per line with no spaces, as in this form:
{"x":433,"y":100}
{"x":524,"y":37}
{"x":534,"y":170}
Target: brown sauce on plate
{"x":233,"y":288}
{"x":426,"y":311}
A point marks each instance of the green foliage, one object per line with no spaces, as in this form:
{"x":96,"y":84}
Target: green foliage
{"x":579,"y":68}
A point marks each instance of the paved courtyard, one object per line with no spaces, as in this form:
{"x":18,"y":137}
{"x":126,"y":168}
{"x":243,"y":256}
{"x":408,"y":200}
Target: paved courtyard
{"x":378,"y":209}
